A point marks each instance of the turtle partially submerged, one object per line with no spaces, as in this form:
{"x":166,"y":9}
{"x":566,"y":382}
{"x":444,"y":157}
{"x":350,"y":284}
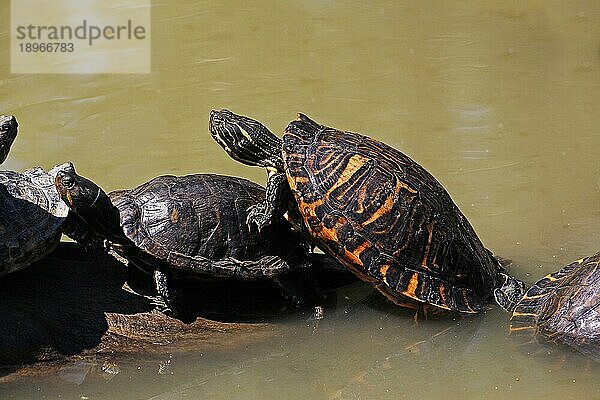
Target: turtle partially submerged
{"x":373,"y":208}
{"x":192,"y":226}
{"x":32,"y":215}
{"x":564,"y":307}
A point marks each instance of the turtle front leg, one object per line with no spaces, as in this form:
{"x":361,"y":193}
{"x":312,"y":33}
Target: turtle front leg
{"x":165,"y":302}
{"x":274,"y":206}
{"x":75,"y":228}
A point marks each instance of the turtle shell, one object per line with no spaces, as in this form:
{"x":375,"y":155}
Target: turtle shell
{"x":31,"y":216}
{"x":175,"y":218}
{"x":386,"y":218}
{"x":564,"y":307}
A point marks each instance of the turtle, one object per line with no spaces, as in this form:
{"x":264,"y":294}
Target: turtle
{"x":374,"y":209}
{"x":564,"y":307}
{"x":192,"y":227}
{"x":32,"y":215}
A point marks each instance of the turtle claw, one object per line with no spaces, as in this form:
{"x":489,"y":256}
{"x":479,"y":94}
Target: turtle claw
{"x":160,"y":305}
{"x":257,"y":216}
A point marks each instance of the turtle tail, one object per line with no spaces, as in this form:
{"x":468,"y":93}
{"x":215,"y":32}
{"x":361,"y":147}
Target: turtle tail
{"x":508,"y":291}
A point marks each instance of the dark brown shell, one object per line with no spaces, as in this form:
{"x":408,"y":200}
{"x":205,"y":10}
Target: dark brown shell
{"x":386,"y":218}
{"x":31,"y":217}
{"x":564,"y":307}
{"x":176,"y":218}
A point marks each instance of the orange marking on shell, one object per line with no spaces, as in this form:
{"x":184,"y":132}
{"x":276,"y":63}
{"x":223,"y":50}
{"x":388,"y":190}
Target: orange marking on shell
{"x":365,"y":245}
{"x":389,"y":202}
{"x":327,"y":160}
{"x":426,"y":255}
{"x":355,"y":255}
{"x":353,"y":258}
{"x":412,"y":286}
{"x":174,"y":216}
{"x":383,"y":270}
{"x":328,"y":233}
{"x":300,"y":179}
{"x":292,"y":182}
{"x":320,"y":231}
{"x":443,"y":294}
{"x":354,"y":164}
{"x":406,"y":187}
{"x":309,"y":209}
{"x":362,"y":195}
{"x":520,"y":314}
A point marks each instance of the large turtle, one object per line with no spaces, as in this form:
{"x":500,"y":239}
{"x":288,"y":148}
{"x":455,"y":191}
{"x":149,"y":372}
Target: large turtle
{"x":564,"y":307}
{"x":373,"y":208}
{"x":32,"y":215}
{"x":192,"y":226}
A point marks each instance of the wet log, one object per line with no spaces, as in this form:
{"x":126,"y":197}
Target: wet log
{"x":72,"y":305}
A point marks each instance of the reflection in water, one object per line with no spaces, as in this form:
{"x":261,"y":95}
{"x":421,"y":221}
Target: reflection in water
{"x":497,"y":100}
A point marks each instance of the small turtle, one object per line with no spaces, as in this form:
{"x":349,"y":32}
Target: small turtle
{"x":564,"y":307}
{"x":192,"y":226}
{"x":373,"y":208}
{"x":32,"y":215}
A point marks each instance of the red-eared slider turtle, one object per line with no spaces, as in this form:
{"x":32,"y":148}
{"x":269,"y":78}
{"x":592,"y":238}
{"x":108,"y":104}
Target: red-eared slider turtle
{"x":192,"y":226}
{"x":564,"y":307}
{"x":373,"y":208}
{"x":32,"y":215}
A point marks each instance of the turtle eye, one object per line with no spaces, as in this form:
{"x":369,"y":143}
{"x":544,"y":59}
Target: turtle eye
{"x":68,"y":182}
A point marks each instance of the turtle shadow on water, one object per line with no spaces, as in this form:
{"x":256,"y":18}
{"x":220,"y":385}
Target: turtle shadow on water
{"x":56,"y":307}
{"x":72,"y":304}
{"x":248,"y":301}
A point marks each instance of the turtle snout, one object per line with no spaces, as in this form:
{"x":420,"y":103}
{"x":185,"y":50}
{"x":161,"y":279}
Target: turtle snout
{"x":216,"y":118}
{"x":6,"y":121}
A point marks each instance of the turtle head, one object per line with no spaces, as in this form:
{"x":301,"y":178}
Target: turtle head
{"x":88,"y":201}
{"x":79,"y":193}
{"x":246,"y":140}
{"x":8,"y":133}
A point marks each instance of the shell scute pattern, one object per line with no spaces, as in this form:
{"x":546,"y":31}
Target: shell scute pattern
{"x":564,"y":307}
{"x":178,"y":218}
{"x":386,"y":217}
{"x":31,"y":217}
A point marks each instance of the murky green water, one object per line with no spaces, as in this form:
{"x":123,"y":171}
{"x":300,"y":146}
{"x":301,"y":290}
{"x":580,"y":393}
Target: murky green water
{"x":499,"y":101}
